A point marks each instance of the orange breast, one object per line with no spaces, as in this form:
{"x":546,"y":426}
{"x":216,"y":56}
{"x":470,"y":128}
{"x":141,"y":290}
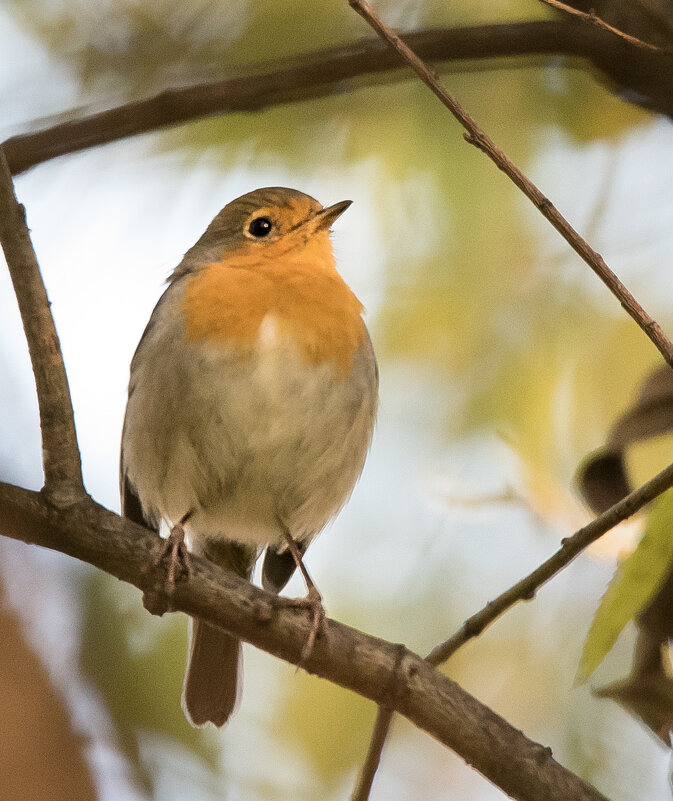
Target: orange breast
{"x":227,"y":302}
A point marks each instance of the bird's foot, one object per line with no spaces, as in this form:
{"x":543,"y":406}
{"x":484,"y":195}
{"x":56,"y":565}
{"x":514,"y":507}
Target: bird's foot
{"x":175,"y":558}
{"x":313,"y":602}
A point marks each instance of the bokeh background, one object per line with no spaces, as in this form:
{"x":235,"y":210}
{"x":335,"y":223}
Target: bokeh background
{"x":503,"y":362}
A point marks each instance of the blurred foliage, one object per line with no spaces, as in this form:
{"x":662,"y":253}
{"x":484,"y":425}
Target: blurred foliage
{"x":131,"y":47}
{"x":137,"y":662}
{"x":328,"y":725}
{"x":645,"y":457}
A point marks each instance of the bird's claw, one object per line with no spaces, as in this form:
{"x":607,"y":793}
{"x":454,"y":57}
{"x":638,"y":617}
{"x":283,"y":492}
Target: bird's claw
{"x":313,"y":602}
{"x":176,"y":558}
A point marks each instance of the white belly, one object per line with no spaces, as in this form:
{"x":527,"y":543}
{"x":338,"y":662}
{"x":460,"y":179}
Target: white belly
{"x":239,"y":444}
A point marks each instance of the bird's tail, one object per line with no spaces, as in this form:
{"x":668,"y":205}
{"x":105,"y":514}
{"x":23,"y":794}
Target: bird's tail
{"x":211,"y":687}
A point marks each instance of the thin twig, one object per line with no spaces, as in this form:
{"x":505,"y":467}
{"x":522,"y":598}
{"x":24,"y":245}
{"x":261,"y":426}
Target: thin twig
{"x":523,"y":590}
{"x":475,"y":136}
{"x":593,"y":19}
{"x":384,"y":672}
{"x":384,"y":719}
{"x":324,"y":73}
{"x":60,"y":452}
{"x":528,"y":586}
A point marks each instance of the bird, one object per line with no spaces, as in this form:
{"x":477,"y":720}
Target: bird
{"x":252,"y":401}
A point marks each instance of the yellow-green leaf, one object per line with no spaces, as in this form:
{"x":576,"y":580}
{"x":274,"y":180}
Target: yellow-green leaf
{"x":632,"y":587}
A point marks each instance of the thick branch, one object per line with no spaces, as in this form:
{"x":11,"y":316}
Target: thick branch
{"x":324,"y":73}
{"x":475,"y":136}
{"x":383,"y":672}
{"x":60,"y":453}
{"x":387,"y":674}
{"x":482,"y":141}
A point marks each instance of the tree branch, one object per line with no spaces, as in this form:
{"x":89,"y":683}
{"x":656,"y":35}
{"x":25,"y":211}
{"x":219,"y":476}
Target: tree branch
{"x":527,"y":587}
{"x":523,"y":590}
{"x":475,"y":136}
{"x":383,"y":672}
{"x":593,"y":19}
{"x":390,"y":675}
{"x":571,"y":547}
{"x":60,"y":453}
{"x":324,"y":73}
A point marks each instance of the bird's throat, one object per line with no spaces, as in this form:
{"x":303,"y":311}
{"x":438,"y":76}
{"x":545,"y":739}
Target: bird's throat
{"x":310,"y":304}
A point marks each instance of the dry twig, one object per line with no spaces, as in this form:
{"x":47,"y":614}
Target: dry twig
{"x":593,"y":19}
{"x":386,"y":673}
{"x":475,"y":136}
{"x":571,"y":547}
{"x":523,"y":590}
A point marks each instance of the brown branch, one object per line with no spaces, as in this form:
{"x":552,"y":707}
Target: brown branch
{"x":324,"y":73}
{"x":377,"y":741}
{"x":60,"y":453}
{"x":389,"y":675}
{"x":593,"y":19}
{"x":475,"y":136}
{"x":479,"y":139}
{"x":386,"y":673}
{"x":523,"y":590}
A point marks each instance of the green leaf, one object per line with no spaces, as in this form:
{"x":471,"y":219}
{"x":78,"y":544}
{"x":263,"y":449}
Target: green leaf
{"x":633,"y":586}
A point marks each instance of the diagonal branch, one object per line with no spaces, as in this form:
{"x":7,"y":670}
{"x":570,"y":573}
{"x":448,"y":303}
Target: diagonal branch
{"x":386,"y":673}
{"x":325,"y":73}
{"x":475,"y":136}
{"x":60,"y":453}
{"x":523,"y":590}
{"x":74,"y":524}
{"x":571,"y":547}
{"x":527,"y":587}
{"x":593,"y":19}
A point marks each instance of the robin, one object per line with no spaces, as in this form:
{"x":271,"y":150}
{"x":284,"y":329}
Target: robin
{"x":252,"y":400}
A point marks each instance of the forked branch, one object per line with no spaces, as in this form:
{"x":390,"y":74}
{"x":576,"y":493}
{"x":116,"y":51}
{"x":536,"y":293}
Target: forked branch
{"x":527,"y":587}
{"x":74,"y":524}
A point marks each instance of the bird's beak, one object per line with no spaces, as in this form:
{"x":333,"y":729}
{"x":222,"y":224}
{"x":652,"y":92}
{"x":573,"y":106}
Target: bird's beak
{"x":326,"y":217}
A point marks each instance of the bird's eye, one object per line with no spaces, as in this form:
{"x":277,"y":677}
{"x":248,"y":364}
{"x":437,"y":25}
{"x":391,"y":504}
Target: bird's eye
{"x":260,"y":227}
